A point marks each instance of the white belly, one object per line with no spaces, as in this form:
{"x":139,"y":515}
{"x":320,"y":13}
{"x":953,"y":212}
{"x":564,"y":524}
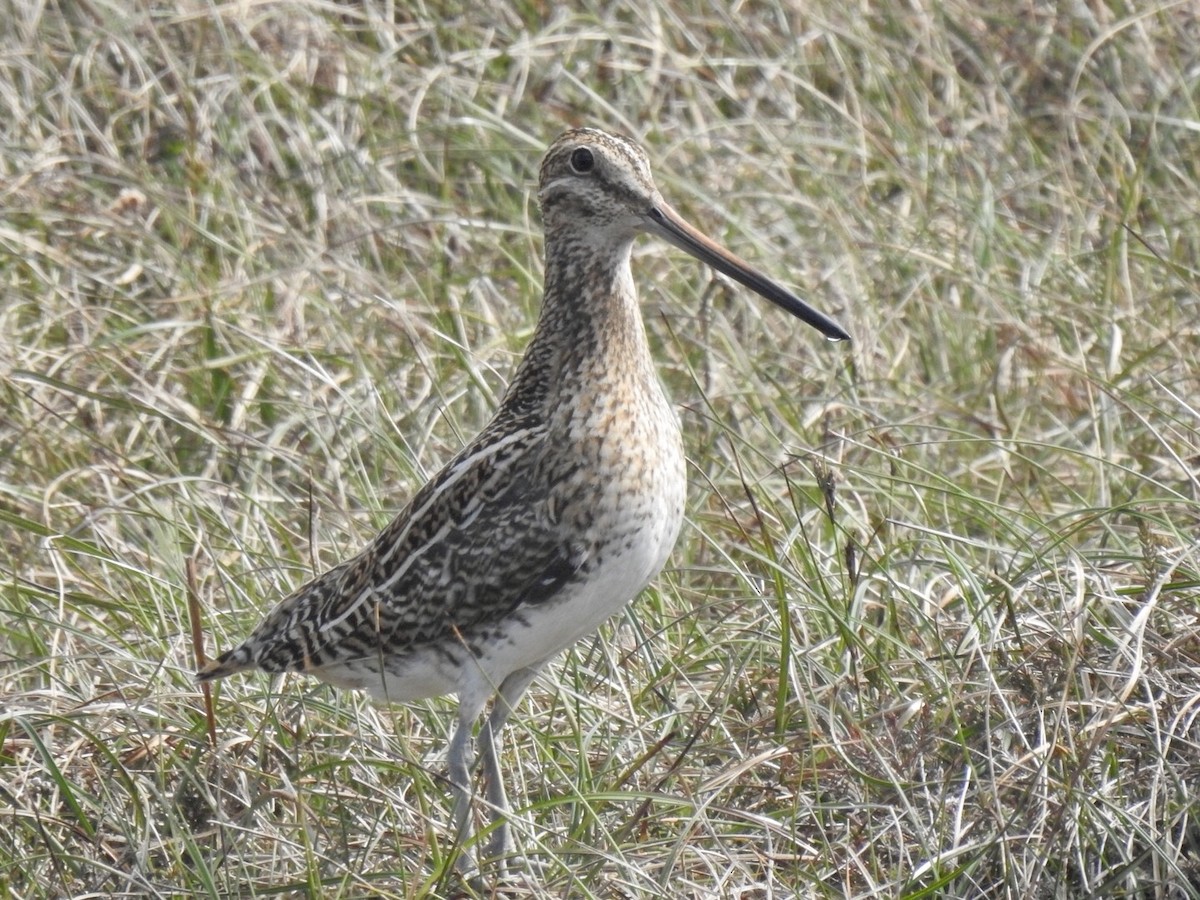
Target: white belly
{"x":545,"y":630}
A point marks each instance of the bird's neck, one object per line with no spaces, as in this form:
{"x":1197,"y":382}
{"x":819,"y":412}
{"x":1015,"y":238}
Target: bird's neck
{"x":590,"y":326}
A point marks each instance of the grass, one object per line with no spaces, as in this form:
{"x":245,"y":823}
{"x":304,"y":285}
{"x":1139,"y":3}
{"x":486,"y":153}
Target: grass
{"x":933,"y":627}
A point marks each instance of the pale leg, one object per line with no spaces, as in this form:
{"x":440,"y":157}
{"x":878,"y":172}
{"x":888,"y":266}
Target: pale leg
{"x":460,"y":756}
{"x":500,"y":844}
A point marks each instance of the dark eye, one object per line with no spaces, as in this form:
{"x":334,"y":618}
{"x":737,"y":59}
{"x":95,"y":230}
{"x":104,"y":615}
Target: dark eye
{"x":582,"y":160}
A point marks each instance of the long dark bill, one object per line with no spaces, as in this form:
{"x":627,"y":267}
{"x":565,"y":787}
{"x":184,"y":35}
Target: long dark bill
{"x":672,"y":228}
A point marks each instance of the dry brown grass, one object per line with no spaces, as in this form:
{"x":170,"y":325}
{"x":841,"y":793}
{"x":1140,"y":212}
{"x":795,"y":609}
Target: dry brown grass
{"x":932,"y":628}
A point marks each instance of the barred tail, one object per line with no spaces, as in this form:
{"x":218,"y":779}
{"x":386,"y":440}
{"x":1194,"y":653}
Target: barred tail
{"x":230,"y":662}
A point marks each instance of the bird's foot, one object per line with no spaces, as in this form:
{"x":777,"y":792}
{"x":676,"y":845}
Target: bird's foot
{"x":495,"y":870}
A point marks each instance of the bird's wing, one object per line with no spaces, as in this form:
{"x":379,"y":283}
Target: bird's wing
{"x":479,"y":540}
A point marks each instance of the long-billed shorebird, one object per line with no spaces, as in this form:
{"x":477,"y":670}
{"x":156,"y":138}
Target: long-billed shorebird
{"x":551,"y":520}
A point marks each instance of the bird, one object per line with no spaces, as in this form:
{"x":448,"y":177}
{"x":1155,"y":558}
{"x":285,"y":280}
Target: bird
{"x":553,"y":519}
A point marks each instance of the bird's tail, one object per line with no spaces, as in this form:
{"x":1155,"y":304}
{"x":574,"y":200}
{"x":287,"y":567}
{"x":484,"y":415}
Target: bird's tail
{"x":228,"y":663}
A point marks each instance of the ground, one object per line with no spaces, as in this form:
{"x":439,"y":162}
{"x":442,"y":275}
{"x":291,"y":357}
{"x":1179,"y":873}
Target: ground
{"x":932,"y":625}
